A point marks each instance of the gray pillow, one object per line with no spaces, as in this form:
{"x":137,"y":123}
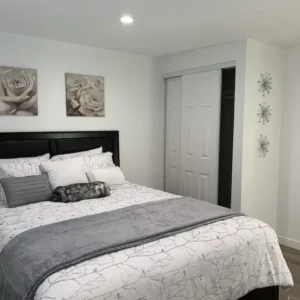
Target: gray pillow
{"x":25,"y":190}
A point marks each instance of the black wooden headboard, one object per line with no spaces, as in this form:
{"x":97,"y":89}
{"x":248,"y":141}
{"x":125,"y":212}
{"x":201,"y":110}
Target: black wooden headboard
{"x":29,"y":144}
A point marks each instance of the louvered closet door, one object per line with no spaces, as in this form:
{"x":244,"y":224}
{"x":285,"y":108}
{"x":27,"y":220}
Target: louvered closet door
{"x":200,"y":118}
{"x":173,"y":121}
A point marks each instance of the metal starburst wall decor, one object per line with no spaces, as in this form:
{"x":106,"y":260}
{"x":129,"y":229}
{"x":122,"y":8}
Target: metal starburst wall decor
{"x":263,"y":146}
{"x":265,"y":84}
{"x":264,"y":114}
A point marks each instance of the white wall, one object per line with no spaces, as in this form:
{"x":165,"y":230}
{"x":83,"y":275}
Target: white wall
{"x":134,"y":98}
{"x":229,"y":52}
{"x":288,"y":218}
{"x":260,"y":174}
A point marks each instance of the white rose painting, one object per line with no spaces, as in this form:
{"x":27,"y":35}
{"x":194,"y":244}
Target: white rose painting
{"x":85,"y":95}
{"x":18,"y":91}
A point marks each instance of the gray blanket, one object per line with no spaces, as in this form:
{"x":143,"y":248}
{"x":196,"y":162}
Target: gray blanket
{"x":32,"y":256}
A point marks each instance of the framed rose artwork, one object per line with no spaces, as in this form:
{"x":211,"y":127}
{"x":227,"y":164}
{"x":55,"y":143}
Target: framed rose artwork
{"x":18,"y":91}
{"x":85,"y":95}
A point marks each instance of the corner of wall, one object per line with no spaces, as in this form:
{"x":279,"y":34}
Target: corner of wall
{"x":289,"y":189}
{"x":260,"y":175}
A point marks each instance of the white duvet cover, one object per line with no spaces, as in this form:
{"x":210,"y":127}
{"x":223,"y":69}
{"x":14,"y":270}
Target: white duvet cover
{"x":224,"y":260}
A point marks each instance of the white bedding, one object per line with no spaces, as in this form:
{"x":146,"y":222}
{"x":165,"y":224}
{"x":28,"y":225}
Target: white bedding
{"x":223,"y":261}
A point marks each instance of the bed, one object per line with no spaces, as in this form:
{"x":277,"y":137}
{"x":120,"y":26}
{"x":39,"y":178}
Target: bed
{"x":238,"y":258}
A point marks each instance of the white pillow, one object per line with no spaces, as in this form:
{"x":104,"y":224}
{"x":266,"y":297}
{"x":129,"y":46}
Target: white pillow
{"x":65,"y":172}
{"x":111,"y":176}
{"x":98,"y":161}
{"x":76,"y":154}
{"x":20,"y":167}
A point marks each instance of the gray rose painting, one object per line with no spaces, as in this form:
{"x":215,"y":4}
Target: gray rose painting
{"x":85,"y":95}
{"x":18,"y":91}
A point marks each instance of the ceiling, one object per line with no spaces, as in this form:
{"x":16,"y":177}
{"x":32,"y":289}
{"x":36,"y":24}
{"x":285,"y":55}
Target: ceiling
{"x":161,"y":27}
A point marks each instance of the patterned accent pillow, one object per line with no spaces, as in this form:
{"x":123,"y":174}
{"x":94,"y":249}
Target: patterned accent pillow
{"x":20,"y":167}
{"x":99,"y":161}
{"x":77,"y":154}
{"x":80,"y":191}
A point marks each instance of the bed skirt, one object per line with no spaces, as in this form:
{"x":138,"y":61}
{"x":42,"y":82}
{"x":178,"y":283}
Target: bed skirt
{"x":269,"y":293}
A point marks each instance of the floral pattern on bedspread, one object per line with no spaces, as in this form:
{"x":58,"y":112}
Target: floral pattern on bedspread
{"x":221,"y":261}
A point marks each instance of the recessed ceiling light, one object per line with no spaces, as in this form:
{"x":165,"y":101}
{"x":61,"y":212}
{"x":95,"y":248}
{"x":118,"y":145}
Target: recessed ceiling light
{"x":126,"y":19}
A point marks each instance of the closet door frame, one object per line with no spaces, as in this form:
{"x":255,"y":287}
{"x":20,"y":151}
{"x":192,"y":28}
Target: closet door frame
{"x":238,"y":121}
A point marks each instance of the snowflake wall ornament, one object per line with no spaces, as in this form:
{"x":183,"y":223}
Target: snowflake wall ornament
{"x":263,"y":146}
{"x":265,"y":84}
{"x":264,"y":114}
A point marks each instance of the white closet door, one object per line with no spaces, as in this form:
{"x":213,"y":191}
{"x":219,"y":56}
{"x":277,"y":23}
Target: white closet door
{"x":173,"y":121}
{"x":200,"y":118}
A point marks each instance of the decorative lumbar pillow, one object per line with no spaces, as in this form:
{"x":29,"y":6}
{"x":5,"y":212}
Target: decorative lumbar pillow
{"x":111,"y":176}
{"x":80,"y":191}
{"x":98,"y":161}
{"x":20,"y":167}
{"x":77,"y":154}
{"x":25,"y":190}
{"x":65,"y":172}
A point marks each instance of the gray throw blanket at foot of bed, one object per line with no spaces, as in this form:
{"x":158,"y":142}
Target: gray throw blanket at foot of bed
{"x":32,"y":256}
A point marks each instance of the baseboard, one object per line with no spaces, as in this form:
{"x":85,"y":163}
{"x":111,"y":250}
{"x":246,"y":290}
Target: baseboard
{"x":289,"y":242}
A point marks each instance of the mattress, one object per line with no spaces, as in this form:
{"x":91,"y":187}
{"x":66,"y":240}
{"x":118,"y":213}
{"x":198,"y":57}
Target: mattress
{"x":224,"y":260}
